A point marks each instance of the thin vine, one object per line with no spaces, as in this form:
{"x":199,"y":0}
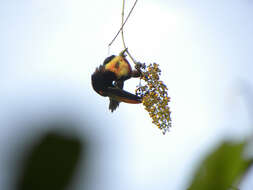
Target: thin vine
{"x":123,"y":22}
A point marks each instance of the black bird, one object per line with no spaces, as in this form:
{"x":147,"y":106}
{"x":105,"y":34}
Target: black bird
{"x":108,"y":80}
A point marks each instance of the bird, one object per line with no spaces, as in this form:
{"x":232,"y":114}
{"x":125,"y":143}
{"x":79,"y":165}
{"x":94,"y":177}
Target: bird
{"x":108,"y":80}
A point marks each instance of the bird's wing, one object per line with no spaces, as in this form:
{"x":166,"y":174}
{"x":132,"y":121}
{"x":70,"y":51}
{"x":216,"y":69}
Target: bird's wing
{"x":119,"y":84}
{"x":108,"y":59}
{"x":123,"y":96}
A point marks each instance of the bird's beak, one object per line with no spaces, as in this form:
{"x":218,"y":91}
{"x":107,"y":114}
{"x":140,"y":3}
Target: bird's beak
{"x":122,"y":53}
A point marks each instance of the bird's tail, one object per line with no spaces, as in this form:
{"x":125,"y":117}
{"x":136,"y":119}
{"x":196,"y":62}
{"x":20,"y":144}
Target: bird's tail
{"x":113,"y":104}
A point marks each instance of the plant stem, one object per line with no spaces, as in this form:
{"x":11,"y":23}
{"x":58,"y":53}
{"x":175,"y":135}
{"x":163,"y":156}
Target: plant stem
{"x":121,"y":28}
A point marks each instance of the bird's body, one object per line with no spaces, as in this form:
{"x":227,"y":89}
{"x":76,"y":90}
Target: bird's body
{"x":108,"y":80}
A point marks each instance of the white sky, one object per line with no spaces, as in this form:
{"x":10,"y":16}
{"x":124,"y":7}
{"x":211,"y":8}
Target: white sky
{"x":49,"y":50}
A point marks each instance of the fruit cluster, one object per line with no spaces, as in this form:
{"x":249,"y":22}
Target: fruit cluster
{"x":154,"y":95}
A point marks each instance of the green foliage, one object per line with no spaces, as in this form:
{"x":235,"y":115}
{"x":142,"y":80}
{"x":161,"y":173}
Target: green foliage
{"x":51,"y":161}
{"x":223,"y":168}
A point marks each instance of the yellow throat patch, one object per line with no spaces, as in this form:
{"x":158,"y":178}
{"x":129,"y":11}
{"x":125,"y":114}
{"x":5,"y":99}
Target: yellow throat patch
{"x":119,"y":66}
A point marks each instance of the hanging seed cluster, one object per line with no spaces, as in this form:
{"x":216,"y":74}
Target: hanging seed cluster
{"x":154,"y":95}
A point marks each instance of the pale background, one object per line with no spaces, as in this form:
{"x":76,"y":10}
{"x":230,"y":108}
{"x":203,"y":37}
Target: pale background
{"x":50,"y":48}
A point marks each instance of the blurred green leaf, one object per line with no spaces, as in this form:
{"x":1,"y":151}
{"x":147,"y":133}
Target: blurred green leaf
{"x":51,"y":163}
{"x":222,"y":168}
